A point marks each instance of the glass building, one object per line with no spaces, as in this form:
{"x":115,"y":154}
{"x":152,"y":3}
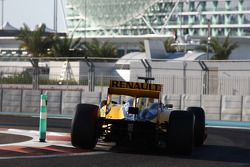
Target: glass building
{"x":130,"y":18}
{"x":128,"y":22}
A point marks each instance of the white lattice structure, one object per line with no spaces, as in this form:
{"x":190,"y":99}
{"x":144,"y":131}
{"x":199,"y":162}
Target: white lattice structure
{"x":110,"y":13}
{"x":129,"y":18}
{"x":118,"y":17}
{"x":128,"y":22}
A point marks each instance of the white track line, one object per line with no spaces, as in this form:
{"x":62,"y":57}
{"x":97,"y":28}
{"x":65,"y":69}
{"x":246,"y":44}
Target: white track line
{"x":55,"y":155}
{"x":34,"y":135}
{"x":228,"y":127}
{"x":34,"y":142}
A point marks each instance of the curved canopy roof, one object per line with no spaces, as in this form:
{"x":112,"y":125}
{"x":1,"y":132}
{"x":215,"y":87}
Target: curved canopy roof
{"x":111,"y":12}
{"x":8,"y":26}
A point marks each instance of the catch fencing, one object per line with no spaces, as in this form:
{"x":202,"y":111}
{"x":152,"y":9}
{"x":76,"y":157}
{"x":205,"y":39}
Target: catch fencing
{"x":177,"y":77}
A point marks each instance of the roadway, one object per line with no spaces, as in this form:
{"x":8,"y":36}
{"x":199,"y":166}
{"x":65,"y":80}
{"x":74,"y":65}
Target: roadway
{"x":224,"y":147}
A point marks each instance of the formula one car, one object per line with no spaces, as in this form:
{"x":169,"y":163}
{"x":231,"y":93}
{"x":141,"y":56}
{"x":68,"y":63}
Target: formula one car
{"x":140,"y":118}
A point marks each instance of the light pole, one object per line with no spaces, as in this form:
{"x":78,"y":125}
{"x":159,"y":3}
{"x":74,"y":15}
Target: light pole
{"x":208,"y":36}
{"x":2,"y":19}
{"x":55,"y":15}
{"x":85,"y":17}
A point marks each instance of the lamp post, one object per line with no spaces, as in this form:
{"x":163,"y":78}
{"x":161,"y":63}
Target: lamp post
{"x":55,"y":15}
{"x":208,"y":36}
{"x":2,"y":19}
{"x":85,"y":17}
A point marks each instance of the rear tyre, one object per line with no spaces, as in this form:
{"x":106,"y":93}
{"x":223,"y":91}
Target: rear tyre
{"x":84,"y":126}
{"x":180,"y":132}
{"x":199,"y":125}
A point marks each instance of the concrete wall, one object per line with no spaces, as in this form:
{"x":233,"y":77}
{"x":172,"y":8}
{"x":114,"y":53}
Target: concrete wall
{"x":212,"y":104}
{"x":231,"y":108}
{"x":54,"y":102}
{"x":31,"y":101}
{"x":191,"y":100}
{"x":59,"y":102}
{"x":11,"y":100}
{"x":69,"y":100}
{"x":91,"y":97}
{"x":246,"y":108}
{"x":234,"y":108}
{"x":217,"y":107}
{"x":173,"y":99}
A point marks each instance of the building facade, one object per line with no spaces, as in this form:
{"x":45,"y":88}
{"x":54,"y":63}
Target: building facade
{"x":128,"y":22}
{"x":130,"y":18}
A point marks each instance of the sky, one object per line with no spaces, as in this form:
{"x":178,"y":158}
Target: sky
{"x":31,"y":12}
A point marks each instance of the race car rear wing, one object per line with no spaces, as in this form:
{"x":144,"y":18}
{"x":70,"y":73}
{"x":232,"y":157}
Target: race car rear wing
{"x":134,"y":89}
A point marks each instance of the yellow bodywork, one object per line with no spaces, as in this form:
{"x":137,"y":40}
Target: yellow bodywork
{"x":115,"y":112}
{"x":135,"y":90}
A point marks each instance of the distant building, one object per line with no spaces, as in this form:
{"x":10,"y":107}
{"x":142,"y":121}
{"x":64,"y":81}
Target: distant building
{"x":126,"y":22}
{"x":140,"y":17}
{"x":9,"y":46}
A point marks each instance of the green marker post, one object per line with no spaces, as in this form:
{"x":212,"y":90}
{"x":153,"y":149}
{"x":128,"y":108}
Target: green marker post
{"x":43,"y":117}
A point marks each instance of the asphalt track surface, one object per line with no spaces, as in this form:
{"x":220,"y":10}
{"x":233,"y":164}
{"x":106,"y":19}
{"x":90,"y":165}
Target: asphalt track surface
{"x":224,"y":147}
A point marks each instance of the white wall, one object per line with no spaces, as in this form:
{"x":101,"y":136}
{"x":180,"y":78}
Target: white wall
{"x":234,"y":108}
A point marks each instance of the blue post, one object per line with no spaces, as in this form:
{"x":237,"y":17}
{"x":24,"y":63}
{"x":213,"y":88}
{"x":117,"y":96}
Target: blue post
{"x":43,"y":117}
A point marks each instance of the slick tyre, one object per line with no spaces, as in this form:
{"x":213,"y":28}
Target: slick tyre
{"x":180,"y":132}
{"x":199,"y":125}
{"x":84,"y":126}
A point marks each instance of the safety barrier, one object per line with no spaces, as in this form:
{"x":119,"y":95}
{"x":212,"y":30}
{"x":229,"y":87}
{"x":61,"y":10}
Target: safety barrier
{"x":173,"y":99}
{"x":212,"y":104}
{"x":91,"y":97}
{"x":30,"y":101}
{"x":234,"y":108}
{"x":229,"y":108}
{"x":69,"y":100}
{"x":59,"y":102}
{"x":190,"y":100}
{"x":11,"y":100}
{"x":246,"y":108}
{"x":54,"y":102}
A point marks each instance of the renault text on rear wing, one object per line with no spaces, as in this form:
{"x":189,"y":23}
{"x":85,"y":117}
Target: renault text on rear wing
{"x":135,"y":89}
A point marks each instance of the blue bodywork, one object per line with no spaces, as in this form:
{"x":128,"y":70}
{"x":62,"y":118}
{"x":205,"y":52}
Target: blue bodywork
{"x":146,"y":114}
